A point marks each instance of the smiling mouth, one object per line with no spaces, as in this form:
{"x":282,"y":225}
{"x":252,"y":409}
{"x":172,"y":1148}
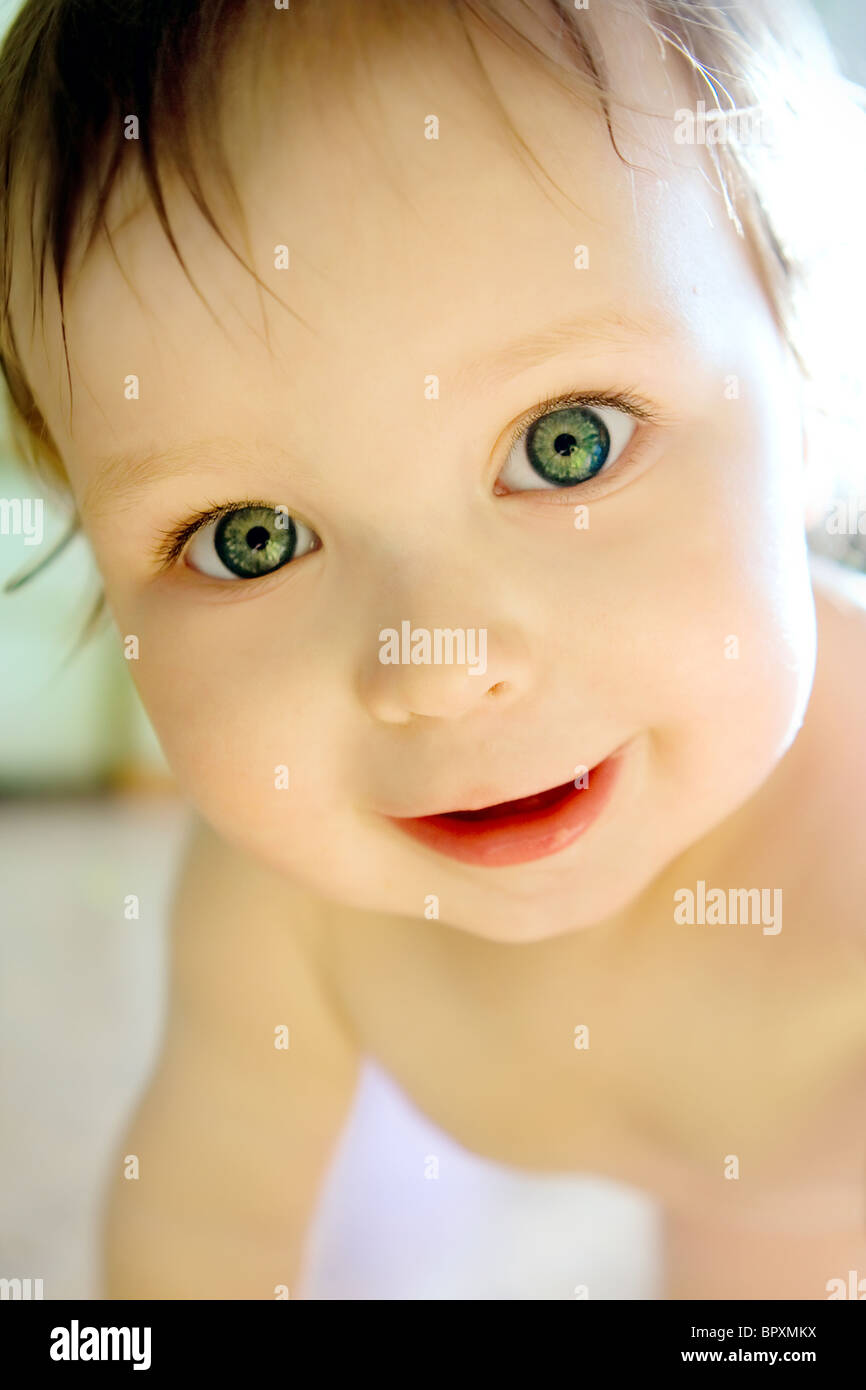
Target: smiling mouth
{"x":518,"y":831}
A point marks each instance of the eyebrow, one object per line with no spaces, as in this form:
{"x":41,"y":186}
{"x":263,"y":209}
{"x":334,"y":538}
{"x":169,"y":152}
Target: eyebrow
{"x":119,"y":478}
{"x":576,"y":333}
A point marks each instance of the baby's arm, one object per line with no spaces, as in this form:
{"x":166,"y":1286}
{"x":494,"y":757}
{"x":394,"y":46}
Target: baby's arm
{"x":709,"y":1257}
{"x":233,"y":1134}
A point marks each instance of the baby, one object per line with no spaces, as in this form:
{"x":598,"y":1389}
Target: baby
{"x":425,"y":381}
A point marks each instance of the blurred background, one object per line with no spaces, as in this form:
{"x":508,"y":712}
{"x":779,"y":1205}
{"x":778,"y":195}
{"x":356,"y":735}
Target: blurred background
{"x":89,"y":814}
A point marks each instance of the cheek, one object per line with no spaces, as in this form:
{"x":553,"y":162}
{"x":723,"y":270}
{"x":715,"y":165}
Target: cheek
{"x":730,"y":599}
{"x":693,"y":601}
{"x":245,"y":730}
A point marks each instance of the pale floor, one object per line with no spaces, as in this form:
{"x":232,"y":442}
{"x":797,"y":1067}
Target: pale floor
{"x":82,"y":993}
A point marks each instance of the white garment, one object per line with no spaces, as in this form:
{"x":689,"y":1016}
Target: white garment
{"x":407,"y":1213}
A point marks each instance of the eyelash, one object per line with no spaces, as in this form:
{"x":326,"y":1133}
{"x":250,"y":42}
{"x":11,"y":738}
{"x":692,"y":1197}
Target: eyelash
{"x":173,"y":542}
{"x":627,"y":401}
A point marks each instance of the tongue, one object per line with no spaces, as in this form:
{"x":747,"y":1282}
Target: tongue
{"x":522,"y":806}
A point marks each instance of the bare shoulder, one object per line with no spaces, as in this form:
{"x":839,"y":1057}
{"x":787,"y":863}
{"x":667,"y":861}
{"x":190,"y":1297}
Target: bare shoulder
{"x":230,"y":880}
{"x":838,"y":696}
{"x":840,"y":598}
{"x":807,"y":825}
{"x":251,"y":944}
{"x":837,"y":729}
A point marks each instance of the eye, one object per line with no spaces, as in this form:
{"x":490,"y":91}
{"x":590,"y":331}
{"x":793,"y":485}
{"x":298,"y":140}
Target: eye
{"x":249,"y":542}
{"x":566,"y":446}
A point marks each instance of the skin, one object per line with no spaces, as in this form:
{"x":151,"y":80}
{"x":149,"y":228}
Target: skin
{"x":409,"y":258}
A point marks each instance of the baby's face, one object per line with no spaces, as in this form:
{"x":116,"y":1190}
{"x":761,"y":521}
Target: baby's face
{"x":670,"y":619}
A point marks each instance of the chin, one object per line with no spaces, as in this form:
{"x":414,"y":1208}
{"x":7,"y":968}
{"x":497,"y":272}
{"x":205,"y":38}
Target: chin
{"x":545,"y":913}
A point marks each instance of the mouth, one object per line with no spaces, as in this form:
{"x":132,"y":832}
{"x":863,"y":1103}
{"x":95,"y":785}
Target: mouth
{"x":516,"y":832}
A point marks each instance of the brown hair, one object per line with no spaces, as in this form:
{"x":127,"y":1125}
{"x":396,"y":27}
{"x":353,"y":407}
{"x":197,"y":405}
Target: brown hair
{"x":72,"y":71}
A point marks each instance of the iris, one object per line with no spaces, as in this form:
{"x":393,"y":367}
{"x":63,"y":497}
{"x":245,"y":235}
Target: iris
{"x":255,"y":540}
{"x":568,"y":446}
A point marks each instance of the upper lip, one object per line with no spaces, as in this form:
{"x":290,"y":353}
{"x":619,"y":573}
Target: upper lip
{"x":479,"y":799}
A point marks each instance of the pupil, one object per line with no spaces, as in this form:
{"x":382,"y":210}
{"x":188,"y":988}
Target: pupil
{"x":257,"y":537}
{"x":564,"y":443}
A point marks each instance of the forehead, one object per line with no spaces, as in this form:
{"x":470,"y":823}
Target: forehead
{"x":407,"y":255}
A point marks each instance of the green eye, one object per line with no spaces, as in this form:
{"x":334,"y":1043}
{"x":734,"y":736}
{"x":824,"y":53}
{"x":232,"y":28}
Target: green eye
{"x":567,"y":446}
{"x":248,"y":543}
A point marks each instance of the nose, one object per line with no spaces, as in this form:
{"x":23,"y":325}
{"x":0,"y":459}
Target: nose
{"x":421,"y":672}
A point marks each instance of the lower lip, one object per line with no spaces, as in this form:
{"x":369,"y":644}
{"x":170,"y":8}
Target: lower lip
{"x":517,"y":832}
